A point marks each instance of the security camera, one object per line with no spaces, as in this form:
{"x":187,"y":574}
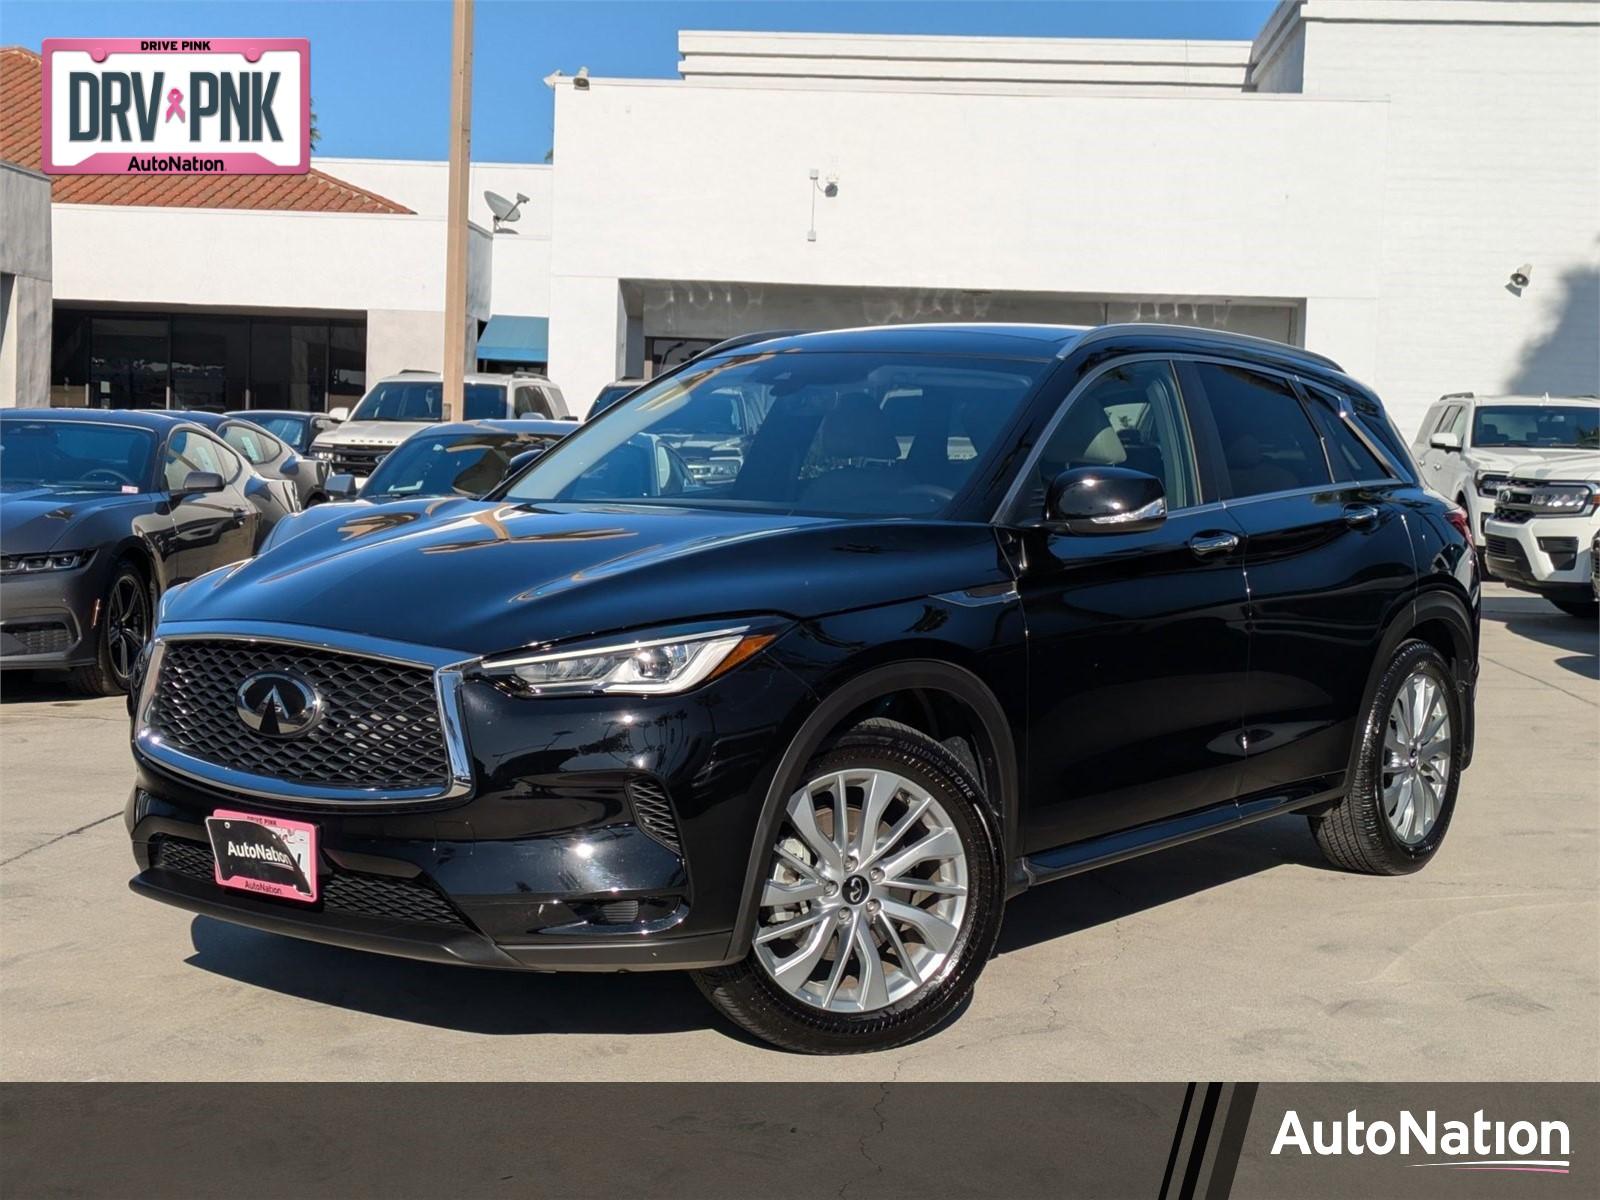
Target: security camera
{"x":832,"y":189}
{"x":1519,"y":277}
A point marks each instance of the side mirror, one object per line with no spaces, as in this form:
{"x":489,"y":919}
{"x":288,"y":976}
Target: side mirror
{"x":290,"y":466}
{"x":1104,"y":500}
{"x":341,"y":413}
{"x":518,"y":461}
{"x":1445,"y":441}
{"x":201,"y":481}
{"x":341,"y":487}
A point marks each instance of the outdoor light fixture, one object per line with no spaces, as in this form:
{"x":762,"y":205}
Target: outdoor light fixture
{"x":829,"y":188}
{"x":581,"y":79}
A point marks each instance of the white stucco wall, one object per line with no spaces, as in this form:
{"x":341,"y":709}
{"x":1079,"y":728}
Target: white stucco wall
{"x":25,"y":286}
{"x":521,"y":275}
{"x":1077,"y":196}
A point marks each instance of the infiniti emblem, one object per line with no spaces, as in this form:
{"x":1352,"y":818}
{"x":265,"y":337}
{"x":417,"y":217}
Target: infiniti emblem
{"x":277,"y":704}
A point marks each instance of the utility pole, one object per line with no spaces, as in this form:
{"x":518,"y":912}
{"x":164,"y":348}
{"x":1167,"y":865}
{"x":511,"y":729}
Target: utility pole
{"x":455,"y":267}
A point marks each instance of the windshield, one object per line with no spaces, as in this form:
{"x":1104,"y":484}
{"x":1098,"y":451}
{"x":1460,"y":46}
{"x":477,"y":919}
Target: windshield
{"x":1538,"y":427}
{"x":75,"y":454}
{"x":422,"y":400}
{"x":288,"y":429}
{"x":466,"y":465}
{"x":609,"y":395}
{"x":815,"y":433}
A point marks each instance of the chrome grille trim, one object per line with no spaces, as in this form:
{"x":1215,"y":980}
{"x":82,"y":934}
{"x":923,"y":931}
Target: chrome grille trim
{"x":447,"y":669}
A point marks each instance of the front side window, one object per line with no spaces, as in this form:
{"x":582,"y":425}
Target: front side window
{"x":423,"y":400}
{"x":1537,"y":426}
{"x":846,"y":434}
{"x":1268,"y":443}
{"x":188,"y":452}
{"x":75,"y":454}
{"x":256,"y":447}
{"x":1129,"y":416}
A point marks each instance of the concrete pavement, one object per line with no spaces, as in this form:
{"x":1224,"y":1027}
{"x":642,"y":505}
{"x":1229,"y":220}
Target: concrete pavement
{"x":1241,"y":957}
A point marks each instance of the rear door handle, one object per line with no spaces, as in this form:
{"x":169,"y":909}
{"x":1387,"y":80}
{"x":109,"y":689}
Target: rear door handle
{"x":1206,"y":544}
{"x":1357,"y":515}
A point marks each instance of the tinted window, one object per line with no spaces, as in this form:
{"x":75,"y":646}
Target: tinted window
{"x":529,"y":400}
{"x":256,"y":446}
{"x":423,"y":400}
{"x":287,"y":428}
{"x":1535,"y":426}
{"x":1130,"y":416}
{"x":74,"y":454}
{"x":1347,"y":453}
{"x":188,"y":452}
{"x":803,"y":433}
{"x":1268,"y":444}
{"x":429,"y":466}
{"x":610,"y":394}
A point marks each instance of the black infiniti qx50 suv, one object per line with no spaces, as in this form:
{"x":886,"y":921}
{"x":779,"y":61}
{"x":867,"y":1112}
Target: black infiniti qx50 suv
{"x":970,"y":609}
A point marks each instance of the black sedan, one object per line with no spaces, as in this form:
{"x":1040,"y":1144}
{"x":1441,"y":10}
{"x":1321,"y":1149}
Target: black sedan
{"x":102,"y":512}
{"x":299,"y":481}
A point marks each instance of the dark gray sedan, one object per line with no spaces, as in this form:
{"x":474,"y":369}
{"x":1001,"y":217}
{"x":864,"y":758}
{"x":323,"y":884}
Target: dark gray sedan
{"x":303,"y":480}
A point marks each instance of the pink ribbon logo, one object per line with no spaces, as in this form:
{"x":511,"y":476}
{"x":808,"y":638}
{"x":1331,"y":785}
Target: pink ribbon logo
{"x":175,"y":105}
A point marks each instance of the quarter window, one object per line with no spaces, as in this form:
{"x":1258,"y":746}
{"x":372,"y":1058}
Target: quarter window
{"x":1268,"y":443}
{"x":1130,"y":416}
{"x":1348,"y":455}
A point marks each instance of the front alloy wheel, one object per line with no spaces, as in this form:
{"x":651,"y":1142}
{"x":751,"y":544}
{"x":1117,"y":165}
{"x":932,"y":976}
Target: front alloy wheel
{"x":879,"y":899}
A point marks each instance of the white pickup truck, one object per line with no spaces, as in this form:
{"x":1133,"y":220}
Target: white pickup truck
{"x":1541,"y":535}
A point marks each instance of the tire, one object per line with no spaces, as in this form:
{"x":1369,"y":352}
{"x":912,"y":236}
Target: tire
{"x":924,"y":972}
{"x":122,"y":630}
{"x":1372,"y":830}
{"x":1584,"y":610}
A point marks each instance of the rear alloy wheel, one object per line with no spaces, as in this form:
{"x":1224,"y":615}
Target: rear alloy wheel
{"x":1406,"y":771}
{"x":879,"y":902}
{"x":124,"y":628}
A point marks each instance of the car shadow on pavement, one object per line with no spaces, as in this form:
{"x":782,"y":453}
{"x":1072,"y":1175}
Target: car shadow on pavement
{"x":37,"y":687}
{"x":466,"y":999}
{"x":1056,"y":910}
{"x":1539,"y":621}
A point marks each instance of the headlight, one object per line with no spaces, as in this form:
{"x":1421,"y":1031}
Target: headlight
{"x":649,"y":667}
{"x":32,"y":564}
{"x":1490,"y":483}
{"x":324,"y":455}
{"x":1562,"y":499}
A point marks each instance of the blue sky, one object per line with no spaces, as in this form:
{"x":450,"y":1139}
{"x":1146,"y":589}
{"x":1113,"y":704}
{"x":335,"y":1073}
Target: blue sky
{"x":380,"y":68}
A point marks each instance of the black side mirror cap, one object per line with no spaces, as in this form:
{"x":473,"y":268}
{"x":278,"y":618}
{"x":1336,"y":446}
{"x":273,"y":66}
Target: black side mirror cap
{"x":201,"y":481}
{"x":341,"y":487}
{"x":1099,"y":500}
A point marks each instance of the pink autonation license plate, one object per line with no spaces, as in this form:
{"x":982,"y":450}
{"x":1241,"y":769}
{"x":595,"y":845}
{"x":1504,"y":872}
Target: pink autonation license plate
{"x":265,"y":855}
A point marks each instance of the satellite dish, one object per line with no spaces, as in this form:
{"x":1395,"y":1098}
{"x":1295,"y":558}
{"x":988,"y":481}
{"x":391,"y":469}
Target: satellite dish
{"x":505,"y":211}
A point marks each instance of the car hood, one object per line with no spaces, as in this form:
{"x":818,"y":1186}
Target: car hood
{"x":1505,"y":458}
{"x":36,"y":519}
{"x":485,"y":576}
{"x":369,"y":433}
{"x":1584,"y":467}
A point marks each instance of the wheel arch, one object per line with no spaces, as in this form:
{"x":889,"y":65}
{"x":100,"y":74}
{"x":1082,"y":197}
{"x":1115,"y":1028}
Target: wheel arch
{"x":1442,"y":617}
{"x":941,"y":685}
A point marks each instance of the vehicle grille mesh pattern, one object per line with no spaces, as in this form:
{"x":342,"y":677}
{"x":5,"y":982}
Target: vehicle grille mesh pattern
{"x":379,"y":730}
{"x":377,"y":896}
{"x":653,"y":811}
{"x":350,"y":461}
{"x":41,"y":637}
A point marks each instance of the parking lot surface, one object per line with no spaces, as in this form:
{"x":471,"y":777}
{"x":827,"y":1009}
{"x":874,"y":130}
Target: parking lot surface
{"x":1239,"y":957}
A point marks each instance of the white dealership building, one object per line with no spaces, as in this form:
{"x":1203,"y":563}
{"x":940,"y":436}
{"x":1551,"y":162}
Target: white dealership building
{"x":1363,"y":178}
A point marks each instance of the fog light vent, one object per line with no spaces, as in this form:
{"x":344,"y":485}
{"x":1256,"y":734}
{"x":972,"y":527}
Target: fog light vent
{"x":652,"y":811}
{"x":619,"y":912}
{"x":1563,"y":551}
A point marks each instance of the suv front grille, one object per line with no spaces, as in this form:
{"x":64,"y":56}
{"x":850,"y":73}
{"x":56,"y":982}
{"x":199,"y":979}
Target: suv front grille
{"x":378,"y":896}
{"x":352,"y":460}
{"x":379,"y":730}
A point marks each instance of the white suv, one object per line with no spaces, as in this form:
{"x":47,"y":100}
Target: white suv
{"x":1469,"y":445}
{"x":1541,"y":533}
{"x":402,"y":404}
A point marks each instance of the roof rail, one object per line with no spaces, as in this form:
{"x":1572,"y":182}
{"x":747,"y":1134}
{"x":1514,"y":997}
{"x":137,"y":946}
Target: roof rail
{"x":1457,"y":396}
{"x":1220,"y":336}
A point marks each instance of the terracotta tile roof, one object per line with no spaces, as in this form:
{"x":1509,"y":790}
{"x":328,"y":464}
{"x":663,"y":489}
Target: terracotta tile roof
{"x":20,"y":114}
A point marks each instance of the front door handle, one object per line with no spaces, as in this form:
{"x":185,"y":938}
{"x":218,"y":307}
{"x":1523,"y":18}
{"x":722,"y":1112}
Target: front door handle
{"x":1206,"y":544}
{"x":1358,"y":515}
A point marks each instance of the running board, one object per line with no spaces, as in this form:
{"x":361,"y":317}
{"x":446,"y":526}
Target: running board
{"x":1058,"y":863}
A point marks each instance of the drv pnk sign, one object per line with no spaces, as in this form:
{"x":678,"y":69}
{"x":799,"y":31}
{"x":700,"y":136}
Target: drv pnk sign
{"x":169,"y":106}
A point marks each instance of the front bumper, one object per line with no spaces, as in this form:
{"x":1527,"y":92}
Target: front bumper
{"x":601,"y":834}
{"x":47,"y":620}
{"x":1544,"y":554}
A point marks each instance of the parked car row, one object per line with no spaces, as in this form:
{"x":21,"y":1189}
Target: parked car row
{"x":792,"y":667}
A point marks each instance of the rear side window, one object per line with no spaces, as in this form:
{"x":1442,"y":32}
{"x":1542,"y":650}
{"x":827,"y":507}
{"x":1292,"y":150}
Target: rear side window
{"x":529,"y":400}
{"x":1348,"y":455}
{"x":1268,"y":443}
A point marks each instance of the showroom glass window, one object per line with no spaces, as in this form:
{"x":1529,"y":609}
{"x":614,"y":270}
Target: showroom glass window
{"x":1268,"y":443}
{"x":1128,"y":416}
{"x":813,"y":433}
